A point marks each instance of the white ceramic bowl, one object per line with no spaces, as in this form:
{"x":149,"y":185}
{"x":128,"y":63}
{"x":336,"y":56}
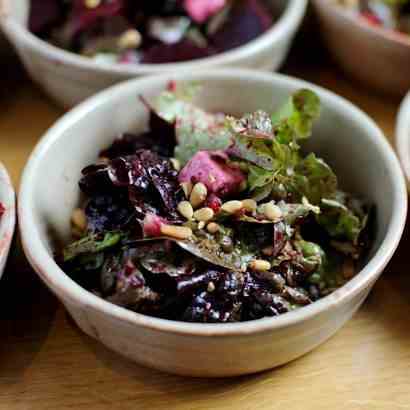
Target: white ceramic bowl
{"x":8,"y":219}
{"x":70,"y":78}
{"x":403,"y":135}
{"x":375,"y":56}
{"x":344,"y":135}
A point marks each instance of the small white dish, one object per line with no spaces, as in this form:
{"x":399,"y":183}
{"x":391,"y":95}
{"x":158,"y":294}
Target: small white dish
{"x":8,"y":219}
{"x":343,"y":135}
{"x":403,"y":135}
{"x":70,"y":78}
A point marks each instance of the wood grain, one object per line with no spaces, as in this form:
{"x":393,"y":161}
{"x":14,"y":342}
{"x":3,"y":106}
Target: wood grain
{"x":47,"y":363}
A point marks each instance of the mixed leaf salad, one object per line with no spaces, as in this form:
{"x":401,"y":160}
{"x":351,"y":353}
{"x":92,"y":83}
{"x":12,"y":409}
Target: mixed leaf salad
{"x":390,"y":14}
{"x":210,"y":218}
{"x":159,"y":31}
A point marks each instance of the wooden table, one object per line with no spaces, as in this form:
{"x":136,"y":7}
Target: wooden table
{"x":47,"y":363}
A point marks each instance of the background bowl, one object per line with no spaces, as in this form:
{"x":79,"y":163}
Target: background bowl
{"x":8,"y":219}
{"x":69,"y":78}
{"x":403,"y":135}
{"x":375,"y":56}
{"x":343,"y":132}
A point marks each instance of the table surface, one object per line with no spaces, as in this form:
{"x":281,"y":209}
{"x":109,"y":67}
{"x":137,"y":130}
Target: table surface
{"x":47,"y":363}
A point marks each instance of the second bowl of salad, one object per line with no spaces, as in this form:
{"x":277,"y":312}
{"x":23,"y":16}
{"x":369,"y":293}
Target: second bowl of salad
{"x":75,"y":48}
{"x":212,"y":224}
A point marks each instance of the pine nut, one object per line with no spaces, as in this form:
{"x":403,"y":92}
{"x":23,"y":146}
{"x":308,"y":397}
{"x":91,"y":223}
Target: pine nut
{"x":201,"y":225}
{"x":175,"y":164}
{"x":79,"y":220}
{"x":130,"y":39}
{"x":198,"y":194}
{"x":212,"y":227}
{"x":92,"y":4}
{"x":232,"y":207}
{"x":250,"y":205}
{"x":177,"y":232}
{"x":204,"y":214}
{"x":272,"y":211}
{"x":187,"y":188}
{"x":211,"y":287}
{"x":186,"y":210}
{"x":259,"y":265}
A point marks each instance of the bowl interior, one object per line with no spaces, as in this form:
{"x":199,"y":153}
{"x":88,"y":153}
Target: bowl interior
{"x":344,"y":136}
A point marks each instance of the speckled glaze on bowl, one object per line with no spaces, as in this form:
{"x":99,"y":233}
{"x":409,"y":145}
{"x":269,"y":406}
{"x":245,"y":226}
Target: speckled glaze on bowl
{"x":8,"y":219}
{"x":403,"y":136}
{"x":69,"y":78}
{"x":375,"y":56}
{"x":344,"y":135}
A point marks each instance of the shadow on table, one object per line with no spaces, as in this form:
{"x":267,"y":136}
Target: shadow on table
{"x":27,"y":309}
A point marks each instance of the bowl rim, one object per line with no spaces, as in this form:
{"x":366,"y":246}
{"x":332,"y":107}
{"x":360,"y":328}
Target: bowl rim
{"x":347,"y":15}
{"x":287,"y":23}
{"x":403,"y":135}
{"x":71,"y":292}
{"x":8,"y":219}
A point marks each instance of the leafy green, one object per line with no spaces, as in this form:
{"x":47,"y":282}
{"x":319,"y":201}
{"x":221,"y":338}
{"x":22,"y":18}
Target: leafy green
{"x":314,"y":258}
{"x":343,"y":217}
{"x":91,"y":244}
{"x":294,"y":120}
{"x":292,"y":212}
{"x":196,"y":129}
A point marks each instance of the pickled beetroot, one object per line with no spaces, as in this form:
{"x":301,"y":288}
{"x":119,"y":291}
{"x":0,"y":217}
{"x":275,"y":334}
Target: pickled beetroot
{"x":211,"y":169}
{"x":156,"y":32}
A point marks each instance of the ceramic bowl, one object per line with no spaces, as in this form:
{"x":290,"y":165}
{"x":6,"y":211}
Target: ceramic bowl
{"x":403,"y":135}
{"x":344,"y":135}
{"x":69,"y":78}
{"x":376,"y":57}
{"x":8,"y":219}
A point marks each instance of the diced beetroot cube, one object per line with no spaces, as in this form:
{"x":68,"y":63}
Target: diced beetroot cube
{"x":202,"y":10}
{"x":210,"y":168}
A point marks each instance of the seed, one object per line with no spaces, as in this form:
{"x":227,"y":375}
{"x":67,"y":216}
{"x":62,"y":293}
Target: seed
{"x":250,"y":205}
{"x":177,"y":232}
{"x":175,"y":164}
{"x":187,"y":188}
{"x":211,"y":287}
{"x":130,"y":39}
{"x":79,"y":220}
{"x":198,"y":194}
{"x":232,"y":207}
{"x":204,"y":214}
{"x":272,"y":211}
{"x":92,"y":4}
{"x":186,"y":210}
{"x":259,"y":265}
{"x":201,"y":225}
{"x":212,"y":227}
{"x":268,"y":251}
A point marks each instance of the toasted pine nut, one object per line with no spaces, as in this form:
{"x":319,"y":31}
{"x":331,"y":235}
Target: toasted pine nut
{"x":211,"y":287}
{"x":177,"y":232}
{"x":250,"y":205}
{"x":232,"y":207}
{"x":198,"y":194}
{"x":176,"y":164}
{"x":272,"y":211}
{"x":186,"y":210}
{"x":187,"y":188}
{"x":201,"y":225}
{"x":212,"y":227}
{"x":259,"y":265}
{"x":204,"y":214}
{"x":130,"y":39}
{"x":79,"y":220}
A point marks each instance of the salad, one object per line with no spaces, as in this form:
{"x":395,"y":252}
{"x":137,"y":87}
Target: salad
{"x":154,"y":32}
{"x":390,"y":14}
{"x":205,"y":217}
